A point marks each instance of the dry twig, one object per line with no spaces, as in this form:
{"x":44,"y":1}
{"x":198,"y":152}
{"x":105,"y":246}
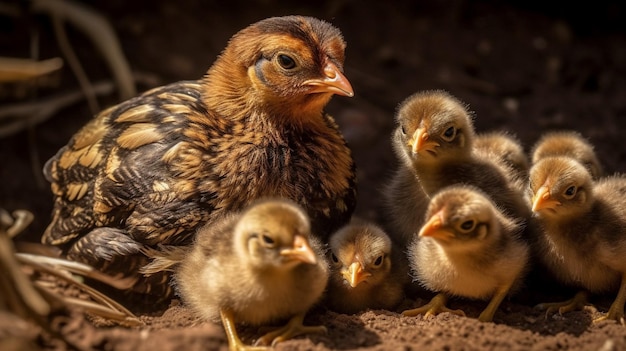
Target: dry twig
{"x":99,"y":30}
{"x":33,"y":301}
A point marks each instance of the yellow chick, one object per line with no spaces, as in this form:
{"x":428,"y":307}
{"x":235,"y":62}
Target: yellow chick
{"x":404,"y":204}
{"x":571,"y":144}
{"x":257,"y":267}
{"x":367,"y":270}
{"x":583,"y":240}
{"x":468,"y":247}
{"x":508,"y":151}
{"x":434,"y":141}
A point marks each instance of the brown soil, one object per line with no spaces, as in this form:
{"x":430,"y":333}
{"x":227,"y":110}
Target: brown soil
{"x":523,"y":68}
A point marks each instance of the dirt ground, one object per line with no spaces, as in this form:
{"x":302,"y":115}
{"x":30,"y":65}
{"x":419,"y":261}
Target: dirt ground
{"x":520,"y":66}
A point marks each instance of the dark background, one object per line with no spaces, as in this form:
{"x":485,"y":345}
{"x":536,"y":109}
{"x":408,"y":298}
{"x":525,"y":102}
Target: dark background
{"x":526,"y":67}
{"x":521,"y":66}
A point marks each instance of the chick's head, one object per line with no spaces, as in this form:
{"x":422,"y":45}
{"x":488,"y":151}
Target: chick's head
{"x":460,"y":218}
{"x":570,"y":144}
{"x":274,"y":235}
{"x":433,"y":125}
{"x":360,"y":254}
{"x":560,"y":187}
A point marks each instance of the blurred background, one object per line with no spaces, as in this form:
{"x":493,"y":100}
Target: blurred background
{"x":525,"y":67}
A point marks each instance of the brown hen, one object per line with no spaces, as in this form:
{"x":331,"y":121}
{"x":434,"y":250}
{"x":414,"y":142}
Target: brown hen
{"x":151,"y":170}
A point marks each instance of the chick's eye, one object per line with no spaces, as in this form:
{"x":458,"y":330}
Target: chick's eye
{"x":570,"y":192}
{"x":467,"y":225}
{"x":403,"y":130}
{"x":379,"y":261}
{"x":449,"y":133}
{"x":267,"y":240}
{"x":334,"y":258}
{"x":285,"y":61}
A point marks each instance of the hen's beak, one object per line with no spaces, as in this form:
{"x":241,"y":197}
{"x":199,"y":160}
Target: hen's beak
{"x":543,"y":200}
{"x":333,"y":82}
{"x":355,"y":274}
{"x":301,"y":251}
{"x":433,"y":228}
{"x":420,"y":142}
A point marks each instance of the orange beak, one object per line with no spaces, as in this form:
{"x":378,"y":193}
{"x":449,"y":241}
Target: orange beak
{"x":355,"y":274}
{"x":433,"y":228}
{"x":420,"y":142}
{"x":301,"y":251}
{"x":543,"y":200}
{"x":334,"y":82}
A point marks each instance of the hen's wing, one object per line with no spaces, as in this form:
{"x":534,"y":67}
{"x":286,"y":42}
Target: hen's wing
{"x":136,"y":166}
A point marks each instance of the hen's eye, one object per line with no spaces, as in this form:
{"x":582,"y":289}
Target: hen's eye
{"x":334,"y":258}
{"x":449,"y":134}
{"x":286,"y":62}
{"x":378,"y":261}
{"x":267,"y":240}
{"x":467,"y":225}
{"x":570,"y":192}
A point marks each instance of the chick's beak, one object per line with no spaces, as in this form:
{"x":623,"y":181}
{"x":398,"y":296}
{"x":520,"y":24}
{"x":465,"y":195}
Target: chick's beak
{"x":300,"y":251}
{"x":355,"y":274}
{"x":334,"y":82}
{"x":433,"y":228}
{"x":543,"y":200}
{"x":420,"y":142}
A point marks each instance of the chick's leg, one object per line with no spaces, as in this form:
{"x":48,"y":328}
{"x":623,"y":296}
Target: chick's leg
{"x":490,"y":310}
{"x":436,"y":305}
{"x":234,"y":343}
{"x":616,"y":311}
{"x":576,"y":303}
{"x":293,"y":328}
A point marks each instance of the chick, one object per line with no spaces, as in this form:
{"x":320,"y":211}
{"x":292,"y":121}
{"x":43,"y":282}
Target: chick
{"x":571,"y":144}
{"x":256,"y":267}
{"x":434,"y":141}
{"x":508,"y":150}
{"x":583,"y":241}
{"x":468,"y":247}
{"x":404,"y":203}
{"x":152,"y":169}
{"x":367,"y":270}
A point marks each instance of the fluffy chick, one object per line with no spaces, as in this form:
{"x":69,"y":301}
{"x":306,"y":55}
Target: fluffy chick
{"x":404,"y":203}
{"x":367,"y":270}
{"x":256,"y":267}
{"x":434,"y":142}
{"x":508,"y":150}
{"x":152,"y":169}
{"x":568,"y":143}
{"x":583,"y":240}
{"x":468,"y":247}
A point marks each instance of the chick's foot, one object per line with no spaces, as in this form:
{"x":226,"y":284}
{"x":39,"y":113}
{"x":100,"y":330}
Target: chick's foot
{"x":436,"y":305}
{"x":577,"y":303}
{"x":292,"y":329}
{"x":616,"y":311}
